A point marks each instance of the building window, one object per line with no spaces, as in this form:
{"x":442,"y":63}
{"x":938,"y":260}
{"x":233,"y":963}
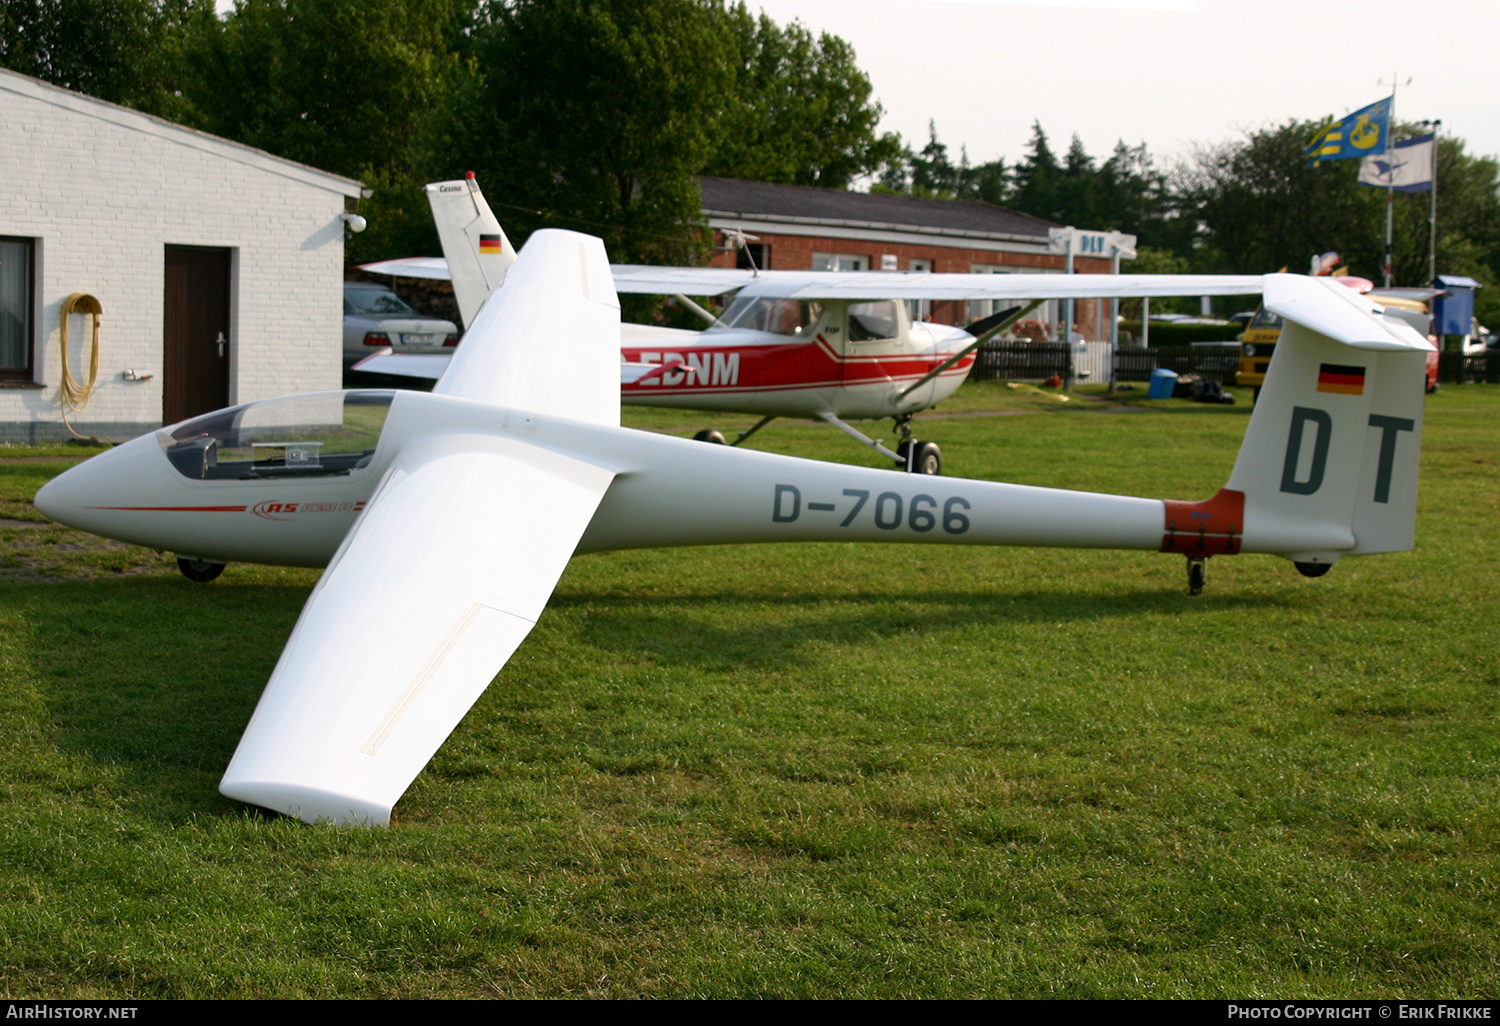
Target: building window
{"x":16,"y":313}
{"x":759,"y":252}
{"x":919,"y":309}
{"x":840,"y":262}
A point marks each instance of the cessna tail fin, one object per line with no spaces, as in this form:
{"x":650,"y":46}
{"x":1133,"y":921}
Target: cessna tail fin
{"x":1328,"y":467}
{"x":478,"y":252}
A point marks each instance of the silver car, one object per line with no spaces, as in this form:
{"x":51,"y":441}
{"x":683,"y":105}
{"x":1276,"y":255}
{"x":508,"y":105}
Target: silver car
{"x":375,"y":317}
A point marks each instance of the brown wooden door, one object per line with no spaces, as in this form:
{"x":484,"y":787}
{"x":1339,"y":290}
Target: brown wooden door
{"x":195,"y":365}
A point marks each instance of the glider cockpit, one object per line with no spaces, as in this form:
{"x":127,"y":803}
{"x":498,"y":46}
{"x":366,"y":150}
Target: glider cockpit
{"x":315,"y":435}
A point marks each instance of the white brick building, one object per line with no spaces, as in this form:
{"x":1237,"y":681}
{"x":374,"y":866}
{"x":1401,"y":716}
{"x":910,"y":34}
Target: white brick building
{"x":183,"y":238}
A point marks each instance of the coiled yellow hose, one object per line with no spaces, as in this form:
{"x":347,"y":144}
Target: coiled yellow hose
{"x":72,"y":395}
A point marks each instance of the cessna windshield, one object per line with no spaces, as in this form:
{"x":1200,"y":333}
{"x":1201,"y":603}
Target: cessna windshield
{"x":794,"y":317}
{"x":316,"y":435}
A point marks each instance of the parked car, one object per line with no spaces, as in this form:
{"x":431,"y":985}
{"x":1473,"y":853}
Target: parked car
{"x":375,"y":317}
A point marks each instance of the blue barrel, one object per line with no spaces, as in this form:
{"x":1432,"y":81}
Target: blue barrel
{"x":1162,"y":383}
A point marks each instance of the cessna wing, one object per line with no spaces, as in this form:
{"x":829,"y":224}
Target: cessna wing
{"x":641,"y":279}
{"x":857,"y":285}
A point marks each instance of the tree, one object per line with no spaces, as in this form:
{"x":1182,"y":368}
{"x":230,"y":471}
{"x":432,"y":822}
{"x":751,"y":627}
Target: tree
{"x":1262,"y":206}
{"x":362,"y":88}
{"x":931,"y":173}
{"x":129,"y":52}
{"x":344,"y":85}
{"x":1035,"y":179}
{"x":799,"y":111}
{"x":599,"y":113}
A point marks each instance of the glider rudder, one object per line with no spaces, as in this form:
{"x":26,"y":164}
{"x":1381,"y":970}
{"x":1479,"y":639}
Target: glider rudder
{"x":1328,"y":467}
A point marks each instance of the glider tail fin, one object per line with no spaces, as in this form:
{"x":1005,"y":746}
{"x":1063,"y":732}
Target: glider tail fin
{"x":479,"y":254}
{"x":1328,"y":467}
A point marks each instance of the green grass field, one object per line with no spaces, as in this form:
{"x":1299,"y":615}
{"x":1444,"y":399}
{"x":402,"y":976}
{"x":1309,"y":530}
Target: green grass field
{"x":805,"y":771}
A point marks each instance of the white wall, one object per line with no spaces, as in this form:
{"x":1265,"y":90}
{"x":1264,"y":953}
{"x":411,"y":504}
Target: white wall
{"x":103,"y":190}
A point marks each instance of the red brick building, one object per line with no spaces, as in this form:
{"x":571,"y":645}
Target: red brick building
{"x":800,"y":228}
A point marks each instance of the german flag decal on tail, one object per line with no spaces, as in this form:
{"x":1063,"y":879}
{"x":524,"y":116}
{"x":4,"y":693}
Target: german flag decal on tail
{"x":1333,"y":377}
{"x":489,"y":244}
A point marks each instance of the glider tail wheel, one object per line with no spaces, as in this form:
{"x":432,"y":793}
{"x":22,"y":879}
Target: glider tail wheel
{"x":1195,"y":567}
{"x":709,"y":435}
{"x":200,"y":570}
{"x":920,"y":457}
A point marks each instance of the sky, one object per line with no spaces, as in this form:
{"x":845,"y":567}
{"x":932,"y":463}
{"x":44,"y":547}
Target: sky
{"x":1170,"y":73}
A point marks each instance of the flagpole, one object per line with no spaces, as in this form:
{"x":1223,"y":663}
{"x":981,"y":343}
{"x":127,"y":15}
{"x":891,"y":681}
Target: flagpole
{"x":1390,"y":185}
{"x":1432,"y":215}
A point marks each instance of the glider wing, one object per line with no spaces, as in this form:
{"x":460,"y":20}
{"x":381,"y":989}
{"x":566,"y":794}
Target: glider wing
{"x":453,"y":558}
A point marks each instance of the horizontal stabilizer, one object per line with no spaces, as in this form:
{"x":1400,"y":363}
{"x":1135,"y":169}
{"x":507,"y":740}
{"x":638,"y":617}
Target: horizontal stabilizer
{"x":429,"y":366}
{"x":426,"y":268}
{"x":1339,"y":313}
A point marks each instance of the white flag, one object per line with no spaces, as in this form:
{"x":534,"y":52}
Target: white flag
{"x":1410,"y":163}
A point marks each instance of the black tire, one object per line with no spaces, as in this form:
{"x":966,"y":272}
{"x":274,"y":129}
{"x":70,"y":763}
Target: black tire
{"x":1196,"y":576}
{"x":928,"y":459}
{"x":709,"y":435}
{"x":1313,"y":569}
{"x":199,"y":570}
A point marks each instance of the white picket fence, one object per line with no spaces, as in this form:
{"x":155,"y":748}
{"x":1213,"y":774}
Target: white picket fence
{"x":1091,"y":362}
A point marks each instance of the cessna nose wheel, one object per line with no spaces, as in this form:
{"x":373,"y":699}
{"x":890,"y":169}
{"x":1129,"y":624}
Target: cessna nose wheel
{"x":200,"y":570}
{"x":920,"y":457}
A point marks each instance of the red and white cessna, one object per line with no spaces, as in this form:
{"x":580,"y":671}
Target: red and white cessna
{"x":819,"y":345}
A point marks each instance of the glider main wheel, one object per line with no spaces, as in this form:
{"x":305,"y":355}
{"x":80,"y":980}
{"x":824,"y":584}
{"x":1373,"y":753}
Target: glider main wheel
{"x":709,"y":435}
{"x":1195,"y":576}
{"x":927,"y":459}
{"x":200,"y":570}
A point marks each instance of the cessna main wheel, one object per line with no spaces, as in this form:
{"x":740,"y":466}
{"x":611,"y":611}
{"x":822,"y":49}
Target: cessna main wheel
{"x":709,"y":435}
{"x":927,"y":459}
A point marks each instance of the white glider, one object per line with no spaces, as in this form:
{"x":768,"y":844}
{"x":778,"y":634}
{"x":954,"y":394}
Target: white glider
{"x":445,"y":519}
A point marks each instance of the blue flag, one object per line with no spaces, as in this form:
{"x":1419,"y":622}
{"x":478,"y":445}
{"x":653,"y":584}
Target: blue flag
{"x":1358,"y":135}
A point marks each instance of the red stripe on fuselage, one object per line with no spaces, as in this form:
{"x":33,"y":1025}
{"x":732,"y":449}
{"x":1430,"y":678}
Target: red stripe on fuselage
{"x":175,"y":509}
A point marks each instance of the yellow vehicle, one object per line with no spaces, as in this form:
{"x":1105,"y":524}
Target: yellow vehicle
{"x":1259,"y":340}
{"x":1256,"y":346}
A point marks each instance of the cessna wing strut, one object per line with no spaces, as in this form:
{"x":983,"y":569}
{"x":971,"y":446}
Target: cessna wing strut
{"x":445,"y":519}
